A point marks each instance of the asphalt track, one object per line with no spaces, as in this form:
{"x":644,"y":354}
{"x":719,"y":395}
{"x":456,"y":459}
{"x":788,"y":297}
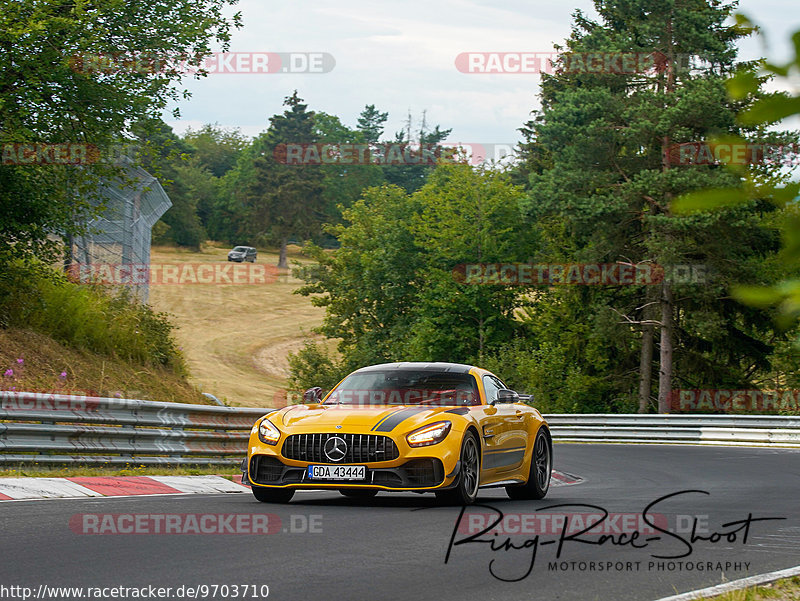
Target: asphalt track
{"x":394,"y":546}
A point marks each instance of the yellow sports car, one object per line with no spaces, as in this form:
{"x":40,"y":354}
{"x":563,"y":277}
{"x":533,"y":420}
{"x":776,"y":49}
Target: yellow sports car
{"x":424,"y":427}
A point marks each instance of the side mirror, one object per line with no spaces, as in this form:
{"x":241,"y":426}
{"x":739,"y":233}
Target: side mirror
{"x":312,"y":395}
{"x":506,"y":396}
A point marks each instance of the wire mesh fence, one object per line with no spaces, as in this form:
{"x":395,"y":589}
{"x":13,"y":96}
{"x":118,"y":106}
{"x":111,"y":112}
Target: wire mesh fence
{"x":116,"y":245}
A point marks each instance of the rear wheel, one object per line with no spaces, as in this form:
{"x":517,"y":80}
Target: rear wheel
{"x":358,"y":493}
{"x":539,"y":475}
{"x":273,"y":495}
{"x":466,"y":489}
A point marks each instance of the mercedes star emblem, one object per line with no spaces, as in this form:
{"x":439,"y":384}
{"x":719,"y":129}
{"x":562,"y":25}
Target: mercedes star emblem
{"x":335,"y":448}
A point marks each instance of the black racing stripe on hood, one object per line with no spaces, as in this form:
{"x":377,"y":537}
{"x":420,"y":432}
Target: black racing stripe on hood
{"x":383,"y":419}
{"x":390,"y":423}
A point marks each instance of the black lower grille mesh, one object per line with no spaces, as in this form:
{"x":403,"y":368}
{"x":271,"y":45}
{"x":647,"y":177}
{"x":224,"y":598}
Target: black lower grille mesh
{"x":265,"y":469}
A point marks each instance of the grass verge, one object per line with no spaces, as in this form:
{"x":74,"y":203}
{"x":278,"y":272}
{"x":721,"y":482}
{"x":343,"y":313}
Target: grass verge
{"x":35,"y":362}
{"x":780,"y":590}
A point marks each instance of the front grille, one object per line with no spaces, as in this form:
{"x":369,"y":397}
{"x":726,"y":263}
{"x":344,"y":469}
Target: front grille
{"x":361,"y":448}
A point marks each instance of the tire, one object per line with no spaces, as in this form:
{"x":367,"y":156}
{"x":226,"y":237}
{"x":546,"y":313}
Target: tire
{"x":539,"y":474}
{"x":358,"y":493}
{"x":466,"y":489}
{"x":273,"y":495}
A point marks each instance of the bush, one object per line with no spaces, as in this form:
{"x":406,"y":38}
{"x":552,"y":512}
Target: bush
{"x":312,"y":366}
{"x":37,"y":297}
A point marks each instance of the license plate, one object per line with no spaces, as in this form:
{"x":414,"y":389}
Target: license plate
{"x":337,"y":472}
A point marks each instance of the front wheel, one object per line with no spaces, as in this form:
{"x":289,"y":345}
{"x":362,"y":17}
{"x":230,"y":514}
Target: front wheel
{"x":273,"y":495}
{"x":539,"y":475}
{"x":466,"y":489}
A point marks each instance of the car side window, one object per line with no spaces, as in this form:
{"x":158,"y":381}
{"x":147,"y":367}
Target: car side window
{"x":491,"y":388}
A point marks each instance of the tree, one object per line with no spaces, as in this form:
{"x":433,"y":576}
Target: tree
{"x":344,"y":182}
{"x":78,"y":72}
{"x":467,"y":216}
{"x":368,"y":285}
{"x":602,"y":178}
{"x":391,"y":290}
{"x":217,"y":149}
{"x":765,"y":111}
{"x":286,"y":200}
{"x":228,"y":218}
{"x":187,"y":183}
{"x":411,"y":175}
{"x":371,"y":123}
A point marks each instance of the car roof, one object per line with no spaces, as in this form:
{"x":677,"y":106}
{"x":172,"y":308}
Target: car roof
{"x":435,"y":366}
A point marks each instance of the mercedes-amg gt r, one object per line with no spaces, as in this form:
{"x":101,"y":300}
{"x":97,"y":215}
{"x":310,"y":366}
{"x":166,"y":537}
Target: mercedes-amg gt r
{"x":445,"y":428}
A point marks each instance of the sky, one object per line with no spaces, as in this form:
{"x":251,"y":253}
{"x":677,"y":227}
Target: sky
{"x":401,"y":57}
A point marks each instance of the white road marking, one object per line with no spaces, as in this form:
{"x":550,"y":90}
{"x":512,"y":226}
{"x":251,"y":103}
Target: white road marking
{"x":735,"y":585}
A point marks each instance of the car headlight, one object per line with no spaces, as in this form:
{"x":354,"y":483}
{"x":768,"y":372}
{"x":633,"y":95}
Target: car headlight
{"x":268,"y":433}
{"x":428,"y":435}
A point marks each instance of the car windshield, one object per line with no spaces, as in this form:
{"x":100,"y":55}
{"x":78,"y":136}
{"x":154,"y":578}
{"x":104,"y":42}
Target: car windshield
{"x":406,"y":387}
{"x":239,"y":249}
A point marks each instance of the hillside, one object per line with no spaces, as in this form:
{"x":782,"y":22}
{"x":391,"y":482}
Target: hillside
{"x":235,"y":337}
{"x":43,"y":361}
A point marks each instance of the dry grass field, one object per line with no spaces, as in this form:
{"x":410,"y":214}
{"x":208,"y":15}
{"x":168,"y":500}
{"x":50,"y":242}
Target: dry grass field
{"x":236,"y":337}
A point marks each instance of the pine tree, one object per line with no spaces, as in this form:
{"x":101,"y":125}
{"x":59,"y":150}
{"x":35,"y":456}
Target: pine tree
{"x":602,"y":176}
{"x":286,"y":200}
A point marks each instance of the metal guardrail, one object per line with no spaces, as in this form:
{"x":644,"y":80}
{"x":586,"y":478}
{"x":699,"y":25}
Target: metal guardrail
{"x":695,"y":429}
{"x":61,"y":429}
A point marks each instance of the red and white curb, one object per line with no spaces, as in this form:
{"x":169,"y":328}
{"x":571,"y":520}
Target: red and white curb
{"x":563,"y":479}
{"x":16,"y":489}
{"x":19,"y":489}
{"x":735,"y":585}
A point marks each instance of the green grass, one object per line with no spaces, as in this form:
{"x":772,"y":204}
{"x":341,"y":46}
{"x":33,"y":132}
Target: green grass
{"x":59,"y":336}
{"x":85,"y":373}
{"x":780,"y":590}
{"x":86,"y":317}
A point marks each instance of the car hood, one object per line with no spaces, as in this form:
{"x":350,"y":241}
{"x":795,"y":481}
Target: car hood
{"x":380,"y":419}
